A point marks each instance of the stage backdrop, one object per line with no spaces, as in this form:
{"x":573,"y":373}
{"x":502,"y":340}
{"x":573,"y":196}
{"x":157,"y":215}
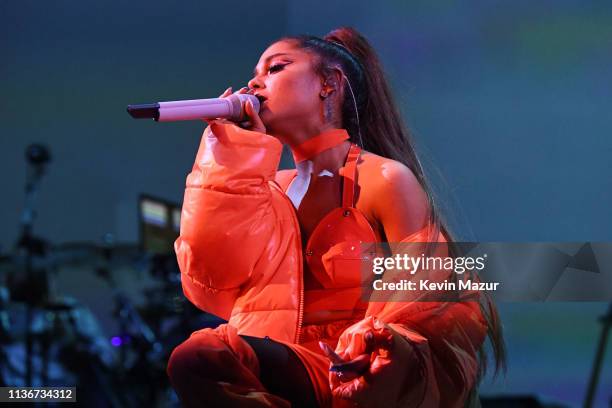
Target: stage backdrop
{"x":509,"y":103}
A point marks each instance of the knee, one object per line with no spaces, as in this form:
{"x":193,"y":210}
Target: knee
{"x":199,"y":356}
{"x":180,"y":362}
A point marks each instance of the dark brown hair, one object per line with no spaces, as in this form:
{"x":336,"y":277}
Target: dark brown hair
{"x":371,"y":117}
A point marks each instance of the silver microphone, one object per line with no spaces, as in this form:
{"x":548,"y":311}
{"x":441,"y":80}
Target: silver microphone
{"x":231,"y":107}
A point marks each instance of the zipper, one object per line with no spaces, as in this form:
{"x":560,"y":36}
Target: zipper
{"x":298,"y":332}
{"x":298,"y":329}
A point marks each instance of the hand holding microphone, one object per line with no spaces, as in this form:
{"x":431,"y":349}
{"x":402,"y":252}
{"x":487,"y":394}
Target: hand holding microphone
{"x":252,"y":120}
{"x":239,"y":107}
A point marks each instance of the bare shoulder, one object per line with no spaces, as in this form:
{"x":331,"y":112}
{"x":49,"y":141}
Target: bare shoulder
{"x":392,"y":194}
{"x":382,"y":175}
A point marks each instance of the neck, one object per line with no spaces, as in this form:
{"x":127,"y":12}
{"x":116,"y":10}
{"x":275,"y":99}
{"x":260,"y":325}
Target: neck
{"x":325,"y":150}
{"x":301,"y":132}
{"x":331,"y":159}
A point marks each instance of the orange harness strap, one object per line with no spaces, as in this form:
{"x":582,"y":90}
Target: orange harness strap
{"x":349,"y":172}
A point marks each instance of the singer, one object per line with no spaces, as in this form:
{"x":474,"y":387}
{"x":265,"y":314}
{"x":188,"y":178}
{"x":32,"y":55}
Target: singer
{"x":276,"y":253}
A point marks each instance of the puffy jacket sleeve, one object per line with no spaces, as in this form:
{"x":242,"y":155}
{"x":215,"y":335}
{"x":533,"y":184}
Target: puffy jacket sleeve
{"x":227,"y":216}
{"x":437,"y":343}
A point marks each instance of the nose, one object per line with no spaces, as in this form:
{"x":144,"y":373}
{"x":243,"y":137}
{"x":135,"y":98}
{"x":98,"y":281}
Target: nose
{"x":255,"y":83}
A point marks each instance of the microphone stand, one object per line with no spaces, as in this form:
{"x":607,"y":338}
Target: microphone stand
{"x":37,"y":157}
{"x":606,"y":321}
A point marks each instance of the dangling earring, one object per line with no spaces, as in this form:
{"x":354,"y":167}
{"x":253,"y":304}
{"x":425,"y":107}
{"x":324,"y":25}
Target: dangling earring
{"x":327,"y":104}
{"x":328,"y":108}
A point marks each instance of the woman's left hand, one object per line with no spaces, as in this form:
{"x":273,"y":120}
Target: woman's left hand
{"x":374,"y":369}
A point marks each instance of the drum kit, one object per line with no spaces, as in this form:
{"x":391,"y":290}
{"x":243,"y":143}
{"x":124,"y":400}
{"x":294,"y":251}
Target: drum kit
{"x":101,"y":316}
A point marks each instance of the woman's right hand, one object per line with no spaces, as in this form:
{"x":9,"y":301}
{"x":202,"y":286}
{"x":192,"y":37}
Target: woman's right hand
{"x":254,"y":123}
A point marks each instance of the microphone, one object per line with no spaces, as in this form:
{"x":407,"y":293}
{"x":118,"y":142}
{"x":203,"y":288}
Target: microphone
{"x":231,"y":107}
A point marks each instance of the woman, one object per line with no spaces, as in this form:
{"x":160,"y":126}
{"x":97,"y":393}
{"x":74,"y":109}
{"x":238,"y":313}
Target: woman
{"x":274,"y":252}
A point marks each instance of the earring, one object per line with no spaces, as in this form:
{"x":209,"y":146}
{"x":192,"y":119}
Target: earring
{"x":324,"y":94}
{"x":328,"y":110}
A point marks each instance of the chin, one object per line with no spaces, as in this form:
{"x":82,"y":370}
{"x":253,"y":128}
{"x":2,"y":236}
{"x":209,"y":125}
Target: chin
{"x":270,"y":120}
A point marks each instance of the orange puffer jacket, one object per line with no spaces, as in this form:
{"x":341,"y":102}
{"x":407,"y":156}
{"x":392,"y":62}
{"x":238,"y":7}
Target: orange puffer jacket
{"x":240,"y":255}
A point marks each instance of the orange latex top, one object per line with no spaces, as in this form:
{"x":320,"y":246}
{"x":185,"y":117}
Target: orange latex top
{"x":333,"y":253}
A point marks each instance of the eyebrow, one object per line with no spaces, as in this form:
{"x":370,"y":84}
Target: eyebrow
{"x":268,"y":59}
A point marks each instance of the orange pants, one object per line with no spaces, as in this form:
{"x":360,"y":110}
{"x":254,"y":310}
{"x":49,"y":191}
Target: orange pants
{"x":217,"y":367}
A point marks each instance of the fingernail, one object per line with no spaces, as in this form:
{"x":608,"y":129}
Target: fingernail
{"x":324,"y":347}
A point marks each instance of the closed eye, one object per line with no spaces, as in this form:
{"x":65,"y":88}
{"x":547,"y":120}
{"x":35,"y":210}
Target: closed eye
{"x":276,"y":67}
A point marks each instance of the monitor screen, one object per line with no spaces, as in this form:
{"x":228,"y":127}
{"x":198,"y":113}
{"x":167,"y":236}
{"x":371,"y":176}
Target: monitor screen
{"x":159,"y":221}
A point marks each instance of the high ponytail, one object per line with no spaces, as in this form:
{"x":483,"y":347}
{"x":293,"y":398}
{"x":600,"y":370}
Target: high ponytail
{"x":373,"y":120}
